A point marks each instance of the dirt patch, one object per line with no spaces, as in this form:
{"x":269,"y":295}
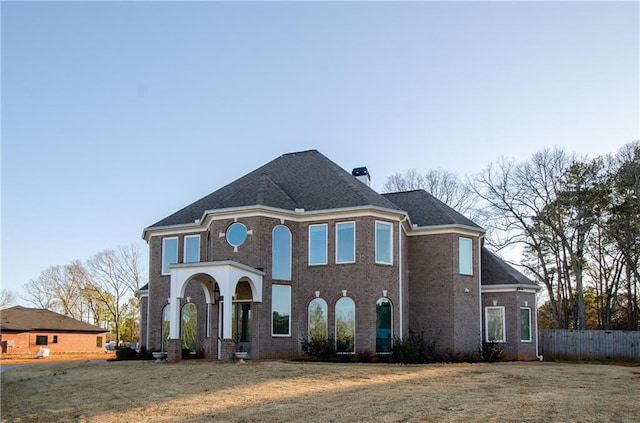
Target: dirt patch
{"x":197,"y":390}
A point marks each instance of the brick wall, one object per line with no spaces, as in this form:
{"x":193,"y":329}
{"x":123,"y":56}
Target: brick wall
{"x":25,"y":342}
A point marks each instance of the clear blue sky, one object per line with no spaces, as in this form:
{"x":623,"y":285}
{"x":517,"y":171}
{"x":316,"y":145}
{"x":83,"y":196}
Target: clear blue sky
{"x":115,"y":115}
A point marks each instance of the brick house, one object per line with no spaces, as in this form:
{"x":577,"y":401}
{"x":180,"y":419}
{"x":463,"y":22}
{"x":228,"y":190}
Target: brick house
{"x":301,"y":248}
{"x":25,"y":330}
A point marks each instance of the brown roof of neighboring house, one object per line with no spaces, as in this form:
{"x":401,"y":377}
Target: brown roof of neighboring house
{"x":26,"y":319}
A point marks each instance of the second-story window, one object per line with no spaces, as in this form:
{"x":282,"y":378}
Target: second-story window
{"x":346,"y":242}
{"x":281,"y":253}
{"x":318,"y":244}
{"x":191,"y":249}
{"x":465,"y":256}
{"x":384,"y":243}
{"x":169,"y":254}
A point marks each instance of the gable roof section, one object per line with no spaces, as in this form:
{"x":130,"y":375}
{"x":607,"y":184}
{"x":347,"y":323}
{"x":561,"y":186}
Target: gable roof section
{"x":304,"y":180}
{"x":25,"y":319}
{"x":426,"y":210}
{"x":496,"y":271}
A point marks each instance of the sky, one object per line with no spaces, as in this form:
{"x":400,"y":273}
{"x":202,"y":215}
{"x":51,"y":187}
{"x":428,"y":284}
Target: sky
{"x":117,"y":114}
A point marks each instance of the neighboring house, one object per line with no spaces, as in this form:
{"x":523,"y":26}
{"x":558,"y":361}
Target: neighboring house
{"x":26,"y":330}
{"x":300,"y":248}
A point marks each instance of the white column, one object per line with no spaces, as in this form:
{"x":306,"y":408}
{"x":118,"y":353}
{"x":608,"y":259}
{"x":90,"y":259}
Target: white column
{"x":174,"y":305}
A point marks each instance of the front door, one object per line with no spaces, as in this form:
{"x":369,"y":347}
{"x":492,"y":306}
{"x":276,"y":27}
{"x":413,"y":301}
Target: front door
{"x":242,"y":326}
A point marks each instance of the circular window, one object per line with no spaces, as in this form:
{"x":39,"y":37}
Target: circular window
{"x":236,"y":234}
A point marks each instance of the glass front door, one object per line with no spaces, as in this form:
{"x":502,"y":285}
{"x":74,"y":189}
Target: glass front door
{"x":241,"y":324}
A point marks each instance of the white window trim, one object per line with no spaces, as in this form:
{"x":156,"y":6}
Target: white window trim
{"x":280,"y":335}
{"x":375,"y":253}
{"x":486,"y":325}
{"x":354,"y":242}
{"x":184,"y":249}
{"x":326,"y":251}
{"x":164,"y":250}
{"x":530,"y":331}
{"x":470,"y":242}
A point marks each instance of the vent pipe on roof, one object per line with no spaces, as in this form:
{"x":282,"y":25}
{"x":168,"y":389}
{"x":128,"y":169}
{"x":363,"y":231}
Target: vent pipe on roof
{"x":362,"y":174}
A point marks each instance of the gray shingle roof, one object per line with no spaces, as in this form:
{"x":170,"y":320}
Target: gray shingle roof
{"x":304,"y":180}
{"x":426,"y":210}
{"x":25,"y":319}
{"x":496,"y":271}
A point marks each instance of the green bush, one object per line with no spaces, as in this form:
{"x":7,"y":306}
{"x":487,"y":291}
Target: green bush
{"x":320,"y":348}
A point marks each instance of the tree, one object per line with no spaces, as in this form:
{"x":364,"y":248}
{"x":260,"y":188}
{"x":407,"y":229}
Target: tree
{"x":115,"y":276}
{"x":7,"y":298}
{"x":445,"y":186}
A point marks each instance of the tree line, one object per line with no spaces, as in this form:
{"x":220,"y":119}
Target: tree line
{"x":575,"y":219}
{"x":99,"y":291}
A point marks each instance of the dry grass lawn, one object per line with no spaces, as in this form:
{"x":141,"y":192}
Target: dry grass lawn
{"x":274,"y":391}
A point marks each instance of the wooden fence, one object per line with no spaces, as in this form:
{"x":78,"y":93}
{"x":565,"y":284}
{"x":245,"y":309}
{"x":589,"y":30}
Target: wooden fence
{"x":611,"y":345}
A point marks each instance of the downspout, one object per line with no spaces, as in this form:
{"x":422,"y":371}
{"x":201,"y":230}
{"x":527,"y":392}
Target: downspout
{"x":535,"y":318}
{"x":400,"y":303}
{"x":480,"y":293}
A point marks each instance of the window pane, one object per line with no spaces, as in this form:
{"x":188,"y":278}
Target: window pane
{"x":281,"y":309}
{"x":346,"y":242}
{"x":281,"y":253}
{"x":383,"y":243}
{"x":189,"y":326}
{"x":345,"y":325}
{"x":236,"y":234}
{"x":318,"y":319}
{"x":192,"y":249}
{"x":495,"y":324}
{"x":41,"y":340}
{"x":318,"y":244}
{"x":99,"y":341}
{"x":465,"y":256}
{"x":525,"y":324}
{"x":169,"y":254}
{"x":383,"y":325}
{"x":165,"y":326}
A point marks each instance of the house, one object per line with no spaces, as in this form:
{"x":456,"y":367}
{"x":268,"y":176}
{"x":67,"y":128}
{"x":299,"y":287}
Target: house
{"x":25,"y":330}
{"x":301,"y":248}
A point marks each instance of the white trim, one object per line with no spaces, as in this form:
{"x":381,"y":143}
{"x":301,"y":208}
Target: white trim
{"x":486,"y":324}
{"x":326,"y":242}
{"x":530,"y":331}
{"x":375,"y":242}
{"x":400,"y":292}
{"x":354,"y":242}
{"x":184,"y":248}
{"x":447,"y":229}
{"x":510,"y":288}
{"x":162,"y":261}
{"x":281,"y":335}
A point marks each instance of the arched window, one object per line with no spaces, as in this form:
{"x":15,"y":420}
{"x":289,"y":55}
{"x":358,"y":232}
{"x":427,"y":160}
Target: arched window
{"x":281,"y":253}
{"x":189,"y":326}
{"x":318,"y":320}
{"x":345,"y":325}
{"x":384,"y":312}
{"x":165,"y":326}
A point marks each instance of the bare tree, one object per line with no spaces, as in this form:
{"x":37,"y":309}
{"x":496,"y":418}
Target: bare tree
{"x":115,"y":276}
{"x":444,"y":185}
{"x":7,"y":299}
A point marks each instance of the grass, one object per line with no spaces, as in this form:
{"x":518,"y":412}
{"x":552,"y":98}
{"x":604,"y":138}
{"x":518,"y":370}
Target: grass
{"x":275,"y":391}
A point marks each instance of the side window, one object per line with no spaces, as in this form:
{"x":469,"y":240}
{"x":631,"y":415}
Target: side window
{"x":525,"y":324}
{"x":169,"y":254}
{"x":318,"y":244}
{"x":281,"y":253}
{"x":41,"y":340}
{"x":383,"y":325}
{"x":346,"y":242}
{"x":281,"y":310}
{"x":345,"y":325}
{"x":191,"y":249}
{"x":165,"y":326}
{"x":384,"y":243}
{"x":318,"y":320}
{"x":98,"y":341}
{"x":465,"y":256}
{"x":189,"y":326}
{"x":494,"y":324}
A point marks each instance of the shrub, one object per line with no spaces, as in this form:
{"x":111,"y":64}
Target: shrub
{"x":126,"y":353}
{"x":320,"y":348}
{"x":492,"y":351}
